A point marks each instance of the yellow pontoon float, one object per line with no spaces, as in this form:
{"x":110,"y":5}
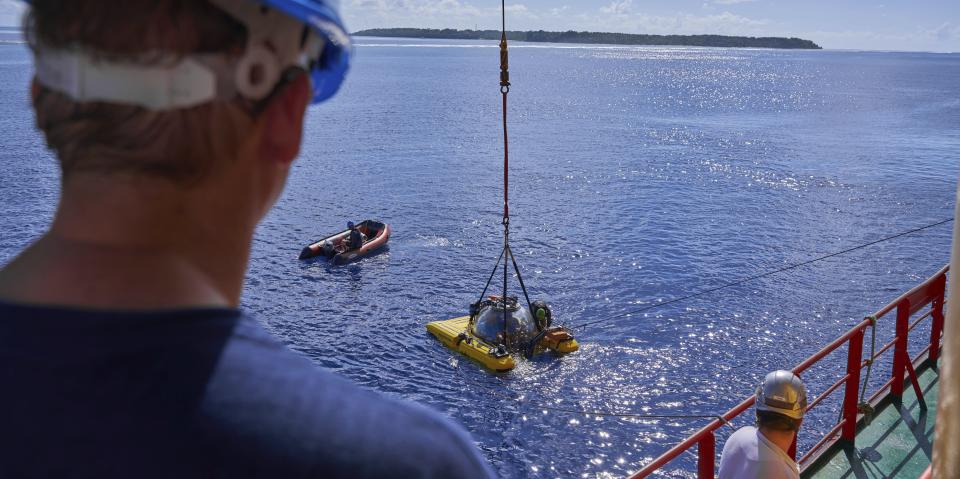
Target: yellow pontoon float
{"x":496,"y":330}
{"x":498,"y":327}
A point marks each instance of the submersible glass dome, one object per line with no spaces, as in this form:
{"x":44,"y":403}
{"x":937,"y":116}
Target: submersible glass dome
{"x":488,"y":323}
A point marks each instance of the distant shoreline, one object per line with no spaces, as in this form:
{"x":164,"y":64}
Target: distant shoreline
{"x":597,"y":38}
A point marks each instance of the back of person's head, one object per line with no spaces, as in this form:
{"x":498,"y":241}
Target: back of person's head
{"x":176,"y":88}
{"x":181,"y":145}
{"x":781,"y":401}
{"x":777,"y":421}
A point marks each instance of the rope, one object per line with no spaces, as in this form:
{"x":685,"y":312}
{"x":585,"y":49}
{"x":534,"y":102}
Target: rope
{"x":862,"y":406}
{"x":520,"y":278}
{"x":484,"y":293}
{"x":762,"y":275}
{"x":589,"y":412}
{"x":873,"y":348}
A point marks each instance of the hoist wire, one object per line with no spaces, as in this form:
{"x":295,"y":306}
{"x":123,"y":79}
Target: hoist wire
{"x":873,"y":349}
{"x":504,"y":89}
{"x":506,"y":255}
{"x":506,"y":170}
{"x":521,"y":401}
{"x":520,"y":278}
{"x":503,"y":13}
{"x":762,"y":275}
{"x":629,"y":415}
{"x":495,"y":267}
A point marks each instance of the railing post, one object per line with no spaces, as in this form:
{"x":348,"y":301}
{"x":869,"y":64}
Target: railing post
{"x":851,"y":388}
{"x":936,"y":329}
{"x":900,"y":349}
{"x":706,"y":456}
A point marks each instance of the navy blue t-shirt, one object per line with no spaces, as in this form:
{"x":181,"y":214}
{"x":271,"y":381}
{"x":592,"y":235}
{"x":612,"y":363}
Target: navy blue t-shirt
{"x":204,"y":393}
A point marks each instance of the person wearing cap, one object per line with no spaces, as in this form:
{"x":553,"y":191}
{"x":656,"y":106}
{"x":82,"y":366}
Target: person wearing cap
{"x":124,"y":352}
{"x":762,"y":452}
{"x":356,"y":238}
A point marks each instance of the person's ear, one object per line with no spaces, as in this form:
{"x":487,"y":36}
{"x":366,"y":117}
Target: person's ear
{"x":283,"y":122}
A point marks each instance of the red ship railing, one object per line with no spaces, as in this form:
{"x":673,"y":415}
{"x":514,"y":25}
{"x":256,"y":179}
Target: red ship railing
{"x":930,"y":292}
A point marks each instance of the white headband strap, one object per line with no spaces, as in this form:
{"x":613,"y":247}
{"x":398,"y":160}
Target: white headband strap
{"x":273,"y":45}
{"x":188,"y":82}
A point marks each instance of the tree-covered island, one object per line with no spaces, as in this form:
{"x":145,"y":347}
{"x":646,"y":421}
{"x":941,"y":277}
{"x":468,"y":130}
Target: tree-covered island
{"x":596,"y":38}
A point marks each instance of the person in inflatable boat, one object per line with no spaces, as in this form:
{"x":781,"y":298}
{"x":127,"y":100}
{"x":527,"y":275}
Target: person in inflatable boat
{"x":356,"y":238}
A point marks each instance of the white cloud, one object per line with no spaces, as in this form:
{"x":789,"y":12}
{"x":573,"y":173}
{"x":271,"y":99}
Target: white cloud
{"x":517,"y":9}
{"x":945,"y":38}
{"x":618,"y":7}
{"x":945,"y":32}
{"x":362,"y":14}
{"x":413,"y":8}
{"x":732,"y":2}
{"x":725,"y":23}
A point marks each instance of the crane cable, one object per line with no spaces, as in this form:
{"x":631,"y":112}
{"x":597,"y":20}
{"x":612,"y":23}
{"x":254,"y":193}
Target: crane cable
{"x":504,"y":89}
{"x":523,"y":401}
{"x":761,"y":275}
{"x":507,"y":254}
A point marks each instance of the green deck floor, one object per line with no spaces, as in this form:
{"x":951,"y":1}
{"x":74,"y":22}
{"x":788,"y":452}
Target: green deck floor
{"x":897,"y":443}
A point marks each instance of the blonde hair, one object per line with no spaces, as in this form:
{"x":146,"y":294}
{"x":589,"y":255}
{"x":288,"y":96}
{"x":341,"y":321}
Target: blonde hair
{"x":180,"y":145}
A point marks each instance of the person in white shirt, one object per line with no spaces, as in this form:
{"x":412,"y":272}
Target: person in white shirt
{"x":761,"y":452}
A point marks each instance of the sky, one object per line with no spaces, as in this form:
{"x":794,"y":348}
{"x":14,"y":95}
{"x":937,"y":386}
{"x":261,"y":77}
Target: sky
{"x":918,"y":25}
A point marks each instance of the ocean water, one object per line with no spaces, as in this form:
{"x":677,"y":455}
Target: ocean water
{"x":638,"y":175}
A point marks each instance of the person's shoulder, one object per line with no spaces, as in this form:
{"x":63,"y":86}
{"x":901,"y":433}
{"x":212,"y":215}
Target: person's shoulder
{"x":745,"y":432}
{"x":421,"y":441}
{"x":738,"y":459}
{"x":280,"y":401}
{"x":744,"y":439}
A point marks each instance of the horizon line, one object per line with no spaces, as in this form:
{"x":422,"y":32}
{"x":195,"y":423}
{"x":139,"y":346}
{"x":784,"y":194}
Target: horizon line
{"x":852,"y":50}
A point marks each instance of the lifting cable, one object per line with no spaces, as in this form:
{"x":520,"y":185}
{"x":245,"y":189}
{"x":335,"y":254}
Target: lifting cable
{"x":591,"y":412}
{"x":629,"y":415}
{"x":507,"y":254}
{"x":762,"y":275}
{"x":864,"y":407}
{"x":587,"y":412}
